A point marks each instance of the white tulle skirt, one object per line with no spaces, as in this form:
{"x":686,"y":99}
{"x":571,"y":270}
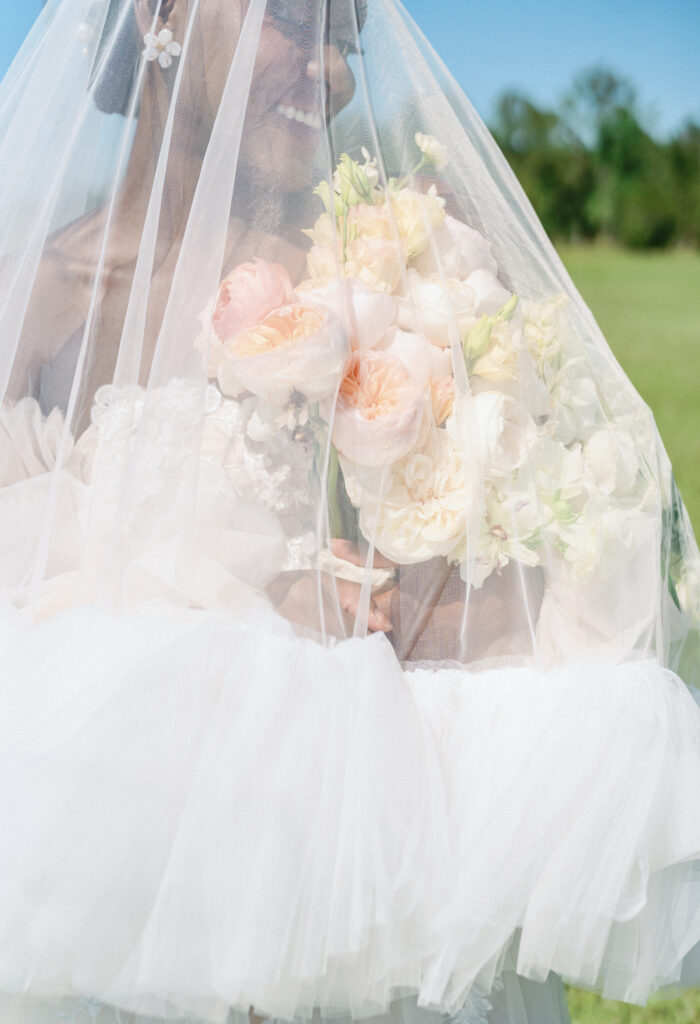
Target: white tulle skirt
{"x":203,"y":812}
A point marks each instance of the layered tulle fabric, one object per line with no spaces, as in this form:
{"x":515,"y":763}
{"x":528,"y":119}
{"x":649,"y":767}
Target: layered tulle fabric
{"x":320,"y":829}
{"x":348,"y":608}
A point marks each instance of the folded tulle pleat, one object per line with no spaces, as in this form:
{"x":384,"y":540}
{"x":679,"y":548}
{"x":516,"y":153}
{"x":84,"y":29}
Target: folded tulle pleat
{"x":202,"y":812}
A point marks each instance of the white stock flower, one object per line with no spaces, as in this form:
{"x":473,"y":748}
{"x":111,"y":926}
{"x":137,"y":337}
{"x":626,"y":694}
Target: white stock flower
{"x":432,"y":150}
{"x":161,"y":47}
{"x":551,"y":480}
{"x":611,"y":461}
{"x":575,"y":404}
{"x":545,"y":330}
{"x":600,"y":540}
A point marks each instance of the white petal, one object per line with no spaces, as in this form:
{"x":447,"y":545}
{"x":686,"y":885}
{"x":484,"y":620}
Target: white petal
{"x":165,"y":36}
{"x":150,"y":40}
{"x":164,"y":59}
{"x":174,"y":49}
{"x":150,"y":53}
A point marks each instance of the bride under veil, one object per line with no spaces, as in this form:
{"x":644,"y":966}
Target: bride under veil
{"x":349,"y":611}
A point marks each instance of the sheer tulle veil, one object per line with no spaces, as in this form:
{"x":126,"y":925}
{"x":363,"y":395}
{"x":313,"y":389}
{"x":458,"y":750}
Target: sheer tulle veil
{"x":350,"y":614}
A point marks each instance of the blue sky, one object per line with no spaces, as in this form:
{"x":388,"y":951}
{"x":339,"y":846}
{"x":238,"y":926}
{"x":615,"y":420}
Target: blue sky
{"x":535,"y":46}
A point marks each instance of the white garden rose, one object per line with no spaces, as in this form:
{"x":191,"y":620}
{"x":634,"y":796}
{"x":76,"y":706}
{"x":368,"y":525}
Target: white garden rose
{"x":456,"y":250}
{"x":437,"y":307}
{"x":420,"y":507}
{"x":366,"y":315}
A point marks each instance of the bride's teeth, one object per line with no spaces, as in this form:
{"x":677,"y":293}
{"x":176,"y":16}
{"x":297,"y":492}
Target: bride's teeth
{"x":302,"y":117}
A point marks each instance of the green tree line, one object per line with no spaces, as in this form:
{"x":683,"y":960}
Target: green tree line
{"x":592,"y":170}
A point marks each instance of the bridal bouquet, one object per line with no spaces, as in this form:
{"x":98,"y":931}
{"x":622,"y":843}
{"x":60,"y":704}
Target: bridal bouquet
{"x":464,"y":419}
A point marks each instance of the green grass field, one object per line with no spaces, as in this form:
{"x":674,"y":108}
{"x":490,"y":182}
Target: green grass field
{"x":648,"y":306}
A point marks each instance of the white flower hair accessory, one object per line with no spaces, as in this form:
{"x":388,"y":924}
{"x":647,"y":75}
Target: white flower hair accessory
{"x":161,"y":47}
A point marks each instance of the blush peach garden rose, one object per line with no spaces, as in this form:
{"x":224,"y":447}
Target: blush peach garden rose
{"x":380,"y":411}
{"x":248,"y":294}
{"x":297,"y":348}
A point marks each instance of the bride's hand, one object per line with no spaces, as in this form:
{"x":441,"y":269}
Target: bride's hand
{"x":378,"y":620}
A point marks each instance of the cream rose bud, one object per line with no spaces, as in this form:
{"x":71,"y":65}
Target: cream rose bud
{"x":456,"y":250}
{"x":380,"y":411}
{"x":437,"y":307}
{"x":248,"y":294}
{"x":365,"y":315}
{"x":490,"y":295}
{"x":302,"y":347}
{"x":417,"y":216}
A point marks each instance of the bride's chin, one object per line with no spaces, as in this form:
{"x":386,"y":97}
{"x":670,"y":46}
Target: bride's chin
{"x":281,"y":159}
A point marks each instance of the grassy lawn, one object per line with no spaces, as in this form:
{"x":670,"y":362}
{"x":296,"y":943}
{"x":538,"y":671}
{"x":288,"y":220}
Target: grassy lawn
{"x":648,"y":306}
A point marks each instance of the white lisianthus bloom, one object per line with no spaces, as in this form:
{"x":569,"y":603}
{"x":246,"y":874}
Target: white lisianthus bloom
{"x":436,"y":307}
{"x":688,"y":588}
{"x":420,"y":506}
{"x":509,"y":530}
{"x":489,"y":293}
{"x":494,"y":430}
{"x":161,"y":47}
{"x":456,"y":250}
{"x":432,"y":150}
{"x":424,"y":361}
